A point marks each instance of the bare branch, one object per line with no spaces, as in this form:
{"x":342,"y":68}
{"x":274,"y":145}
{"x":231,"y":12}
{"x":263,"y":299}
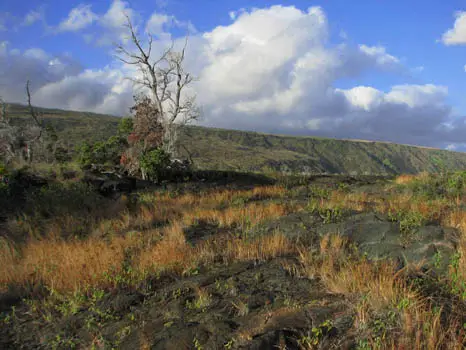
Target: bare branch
{"x":31,"y":109}
{"x":165,"y":78}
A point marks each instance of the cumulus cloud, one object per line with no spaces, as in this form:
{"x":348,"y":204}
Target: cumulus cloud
{"x":272,"y":69}
{"x":61,"y":82}
{"x":16,"y":67}
{"x":159,"y":25}
{"x":157,"y":22}
{"x":379,"y":53}
{"x":99,"y":91}
{"x":32,"y":17}
{"x":457,"y":34}
{"x":275,"y":70}
{"x":79,"y":18}
{"x":113,"y":23}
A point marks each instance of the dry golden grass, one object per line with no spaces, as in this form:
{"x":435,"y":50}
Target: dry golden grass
{"x":243,"y":217}
{"x":162,"y":208}
{"x":63,"y":265}
{"x":67,"y":265}
{"x":152,"y":239}
{"x":408,"y":178}
{"x":262,"y":248}
{"x":375,"y":290}
{"x":171,"y":253}
{"x":175,"y":256}
{"x":435,"y":210}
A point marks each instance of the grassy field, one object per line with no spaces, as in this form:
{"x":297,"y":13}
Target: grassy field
{"x":247,"y":151}
{"x":304,"y":263}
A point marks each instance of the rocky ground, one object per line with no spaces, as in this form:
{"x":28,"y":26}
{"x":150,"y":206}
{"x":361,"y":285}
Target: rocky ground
{"x":250,"y":303}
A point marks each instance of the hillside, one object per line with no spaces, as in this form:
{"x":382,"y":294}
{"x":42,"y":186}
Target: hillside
{"x":249,"y":151}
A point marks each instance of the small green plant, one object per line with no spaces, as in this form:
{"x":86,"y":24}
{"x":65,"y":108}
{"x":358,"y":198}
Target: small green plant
{"x":344,"y":187}
{"x":177,"y":293}
{"x":155,"y":164}
{"x":197,"y":344}
{"x":316,"y":335}
{"x":62,"y":342}
{"x":229,"y":344}
{"x":363,"y":344}
{"x":457,"y":284}
{"x":123,"y":333}
{"x":327,"y":214}
{"x":242,"y":308}
{"x":409,"y":223}
{"x":437,"y":259}
{"x":319,"y":192}
{"x":403,"y":304}
{"x":9,"y":317}
{"x":201,"y":302}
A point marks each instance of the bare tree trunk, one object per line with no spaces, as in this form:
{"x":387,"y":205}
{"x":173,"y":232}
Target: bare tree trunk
{"x":165,"y":80}
{"x":170,"y":139}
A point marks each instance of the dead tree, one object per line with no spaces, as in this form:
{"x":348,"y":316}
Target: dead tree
{"x":166,"y":80}
{"x":36,"y":130}
{"x":19,"y":141}
{"x":8,"y":133}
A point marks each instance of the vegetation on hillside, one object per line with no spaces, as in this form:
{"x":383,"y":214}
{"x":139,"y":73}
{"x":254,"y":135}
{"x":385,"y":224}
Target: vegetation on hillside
{"x":218,"y":149}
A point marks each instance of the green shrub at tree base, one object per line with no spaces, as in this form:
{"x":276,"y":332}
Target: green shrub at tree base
{"x":155,"y":164}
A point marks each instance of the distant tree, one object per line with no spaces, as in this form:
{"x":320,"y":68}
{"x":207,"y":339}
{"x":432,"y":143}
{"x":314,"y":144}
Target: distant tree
{"x":16,"y":141}
{"x":166,"y":80}
{"x":34,"y":131}
{"x":8,"y":134}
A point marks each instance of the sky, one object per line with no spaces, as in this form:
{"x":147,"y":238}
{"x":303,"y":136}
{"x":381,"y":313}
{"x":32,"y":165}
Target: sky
{"x":367,"y":69}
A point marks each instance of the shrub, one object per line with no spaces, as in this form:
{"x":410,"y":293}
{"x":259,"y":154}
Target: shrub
{"x":108,"y":152}
{"x":84,"y":154}
{"x":445,"y":185}
{"x":155,"y":164}
{"x":3,"y":170}
{"x":125,"y":126}
{"x":4,"y":184}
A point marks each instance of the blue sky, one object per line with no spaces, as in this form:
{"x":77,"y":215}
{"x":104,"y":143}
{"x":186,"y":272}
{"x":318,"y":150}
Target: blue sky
{"x":372,"y":69}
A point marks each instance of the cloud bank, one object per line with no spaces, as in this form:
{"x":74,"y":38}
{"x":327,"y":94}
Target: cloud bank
{"x":272,"y":69}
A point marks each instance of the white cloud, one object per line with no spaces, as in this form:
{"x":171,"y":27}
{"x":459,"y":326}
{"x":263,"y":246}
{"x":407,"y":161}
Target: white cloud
{"x":79,"y":18}
{"x":157,"y":22}
{"x":159,"y":25}
{"x":102,"y":91}
{"x":271,"y":69}
{"x":364,"y":97}
{"x":113,"y":23}
{"x":457,"y":34}
{"x":32,"y":17}
{"x":36,"y":53}
{"x":418,"y":95}
{"x":115,"y":17}
{"x":379,"y":53}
